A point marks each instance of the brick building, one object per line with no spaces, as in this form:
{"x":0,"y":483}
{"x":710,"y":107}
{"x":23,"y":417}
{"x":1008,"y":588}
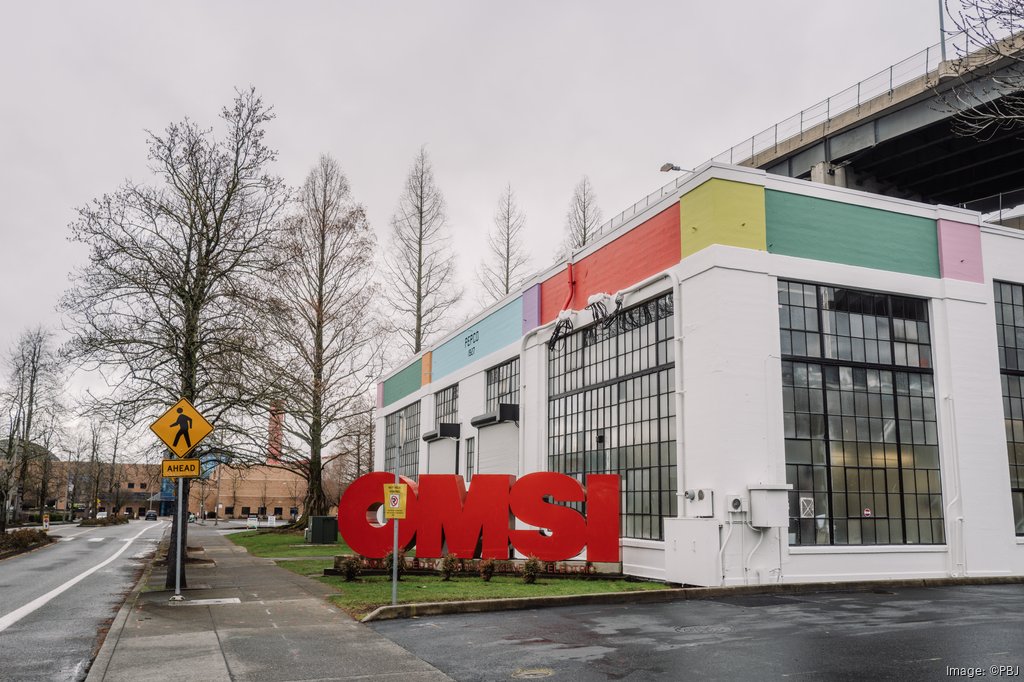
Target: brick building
{"x":238,"y":493}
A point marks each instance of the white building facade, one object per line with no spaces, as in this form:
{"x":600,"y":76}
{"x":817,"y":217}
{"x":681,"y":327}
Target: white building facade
{"x":795,"y":383}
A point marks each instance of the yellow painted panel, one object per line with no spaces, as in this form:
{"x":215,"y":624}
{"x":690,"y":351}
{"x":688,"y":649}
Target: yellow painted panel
{"x":722,"y":212}
{"x":425,"y":378}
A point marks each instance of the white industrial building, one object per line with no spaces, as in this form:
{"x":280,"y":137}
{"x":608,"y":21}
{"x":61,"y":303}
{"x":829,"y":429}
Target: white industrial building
{"x":795,"y":382}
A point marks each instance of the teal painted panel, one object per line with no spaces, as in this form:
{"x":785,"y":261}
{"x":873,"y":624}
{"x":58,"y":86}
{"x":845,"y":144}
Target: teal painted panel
{"x":405,"y":382}
{"x":808,"y":227}
{"x":497,"y":330}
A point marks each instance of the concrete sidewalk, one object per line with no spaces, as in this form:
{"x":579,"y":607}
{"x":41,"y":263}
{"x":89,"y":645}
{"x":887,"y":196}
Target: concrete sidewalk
{"x":281,"y":628}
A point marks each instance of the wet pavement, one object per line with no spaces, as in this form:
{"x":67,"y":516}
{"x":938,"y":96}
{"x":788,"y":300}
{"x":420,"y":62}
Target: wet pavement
{"x":50,"y":625}
{"x":899,"y":634}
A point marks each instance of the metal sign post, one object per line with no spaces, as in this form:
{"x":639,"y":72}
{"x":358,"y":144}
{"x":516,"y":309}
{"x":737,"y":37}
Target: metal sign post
{"x":394,"y":558}
{"x":181,"y":429}
{"x":394,"y":509}
{"x":177,"y":559}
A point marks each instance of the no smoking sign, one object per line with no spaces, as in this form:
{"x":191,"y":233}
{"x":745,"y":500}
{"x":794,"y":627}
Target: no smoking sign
{"x":394,"y":500}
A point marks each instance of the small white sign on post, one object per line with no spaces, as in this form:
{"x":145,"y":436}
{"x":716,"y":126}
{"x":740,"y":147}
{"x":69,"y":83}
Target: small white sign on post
{"x":252,"y":522}
{"x":271,"y":521}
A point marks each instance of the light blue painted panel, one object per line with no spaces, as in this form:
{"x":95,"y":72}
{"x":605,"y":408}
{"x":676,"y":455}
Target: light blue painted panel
{"x":497,"y":330}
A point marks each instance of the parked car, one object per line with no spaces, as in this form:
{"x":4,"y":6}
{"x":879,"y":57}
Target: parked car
{"x":151,"y":515}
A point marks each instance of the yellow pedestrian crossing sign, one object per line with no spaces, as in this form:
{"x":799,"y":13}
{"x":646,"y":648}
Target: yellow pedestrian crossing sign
{"x":181,"y":428}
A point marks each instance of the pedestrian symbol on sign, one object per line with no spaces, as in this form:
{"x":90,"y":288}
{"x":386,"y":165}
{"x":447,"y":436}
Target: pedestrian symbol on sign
{"x":181,"y":428}
{"x":184,"y":423}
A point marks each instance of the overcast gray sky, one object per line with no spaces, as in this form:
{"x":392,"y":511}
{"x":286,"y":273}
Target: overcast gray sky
{"x":532,"y":93}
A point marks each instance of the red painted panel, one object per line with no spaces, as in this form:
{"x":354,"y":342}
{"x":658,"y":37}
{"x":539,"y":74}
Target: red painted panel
{"x":643,"y":251}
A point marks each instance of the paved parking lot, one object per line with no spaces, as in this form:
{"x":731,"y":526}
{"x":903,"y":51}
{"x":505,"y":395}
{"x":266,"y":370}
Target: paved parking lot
{"x":904,"y":634}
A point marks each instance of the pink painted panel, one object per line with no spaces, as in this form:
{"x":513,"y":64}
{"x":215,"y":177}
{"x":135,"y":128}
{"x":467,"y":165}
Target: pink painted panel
{"x":960,"y":251}
{"x":380,"y":395}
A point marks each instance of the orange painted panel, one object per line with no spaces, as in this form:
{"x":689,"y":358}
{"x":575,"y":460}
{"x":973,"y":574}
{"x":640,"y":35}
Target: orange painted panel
{"x":643,"y":251}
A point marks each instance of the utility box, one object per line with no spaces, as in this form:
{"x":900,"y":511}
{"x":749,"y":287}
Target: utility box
{"x":769,"y":505}
{"x":323,"y":530}
{"x":691,"y":552}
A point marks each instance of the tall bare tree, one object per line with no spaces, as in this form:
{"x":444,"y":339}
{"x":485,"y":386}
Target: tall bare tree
{"x":420,"y":264}
{"x":33,"y":380}
{"x":328,"y":325}
{"x":584,"y":216}
{"x":993,"y":33}
{"x":506,"y":265}
{"x":170,"y":303}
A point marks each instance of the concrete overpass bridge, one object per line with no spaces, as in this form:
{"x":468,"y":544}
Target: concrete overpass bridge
{"x":893,"y":133}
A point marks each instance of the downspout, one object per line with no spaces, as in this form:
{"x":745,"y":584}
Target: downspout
{"x":956,"y":526}
{"x":572,"y":286}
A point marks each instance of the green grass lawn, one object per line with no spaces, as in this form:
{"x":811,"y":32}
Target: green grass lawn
{"x":277,"y":544}
{"x":360,"y":597}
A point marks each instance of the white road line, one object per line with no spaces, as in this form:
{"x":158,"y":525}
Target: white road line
{"x":95,"y":539}
{"x":16,"y":615}
{"x":75,"y":535}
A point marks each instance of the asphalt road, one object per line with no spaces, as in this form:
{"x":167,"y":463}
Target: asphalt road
{"x":903,"y":634}
{"x":50,"y":624}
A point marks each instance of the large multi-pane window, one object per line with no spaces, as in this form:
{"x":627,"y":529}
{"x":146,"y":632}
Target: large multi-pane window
{"x":401,"y":441}
{"x":611,"y":410}
{"x":503,"y":384}
{"x":470,"y":458}
{"x":859,"y":409}
{"x":446,"y":406}
{"x":1009,"y":299}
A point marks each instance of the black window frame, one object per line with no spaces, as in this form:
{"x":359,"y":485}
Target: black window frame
{"x":860,"y":417}
{"x":1009,"y":316}
{"x":446,"y":406}
{"x":502,"y":384}
{"x":470,"y":458}
{"x":408,"y":451}
{"x":611,"y":409}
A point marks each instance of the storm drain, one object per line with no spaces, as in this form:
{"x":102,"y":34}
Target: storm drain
{"x":702,"y":629}
{"x":532,"y":673}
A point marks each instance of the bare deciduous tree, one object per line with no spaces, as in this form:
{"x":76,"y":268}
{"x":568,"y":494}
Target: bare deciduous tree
{"x":507,"y":263}
{"x":420,"y":263}
{"x":170,"y":302}
{"x":328,"y":326}
{"x":992,"y":31}
{"x":584,"y":216}
{"x":33,"y":380}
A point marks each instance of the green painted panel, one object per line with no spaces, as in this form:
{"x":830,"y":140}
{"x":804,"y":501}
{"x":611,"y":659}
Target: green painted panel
{"x":402,"y":384}
{"x":808,"y":227}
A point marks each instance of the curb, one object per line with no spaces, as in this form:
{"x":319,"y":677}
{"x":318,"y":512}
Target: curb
{"x":655,"y":596}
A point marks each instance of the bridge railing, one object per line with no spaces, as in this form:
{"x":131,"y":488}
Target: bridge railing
{"x":882,"y":83}
{"x":926,"y":61}
{"x":996,"y":207}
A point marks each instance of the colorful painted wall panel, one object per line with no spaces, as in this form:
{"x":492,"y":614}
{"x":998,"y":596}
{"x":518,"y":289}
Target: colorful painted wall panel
{"x":722,"y":212}
{"x":960,"y":251}
{"x":494,"y":332}
{"x":426,"y":367}
{"x":808,"y":227}
{"x":403,"y":383}
{"x":643,"y":251}
{"x":531,"y":308}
